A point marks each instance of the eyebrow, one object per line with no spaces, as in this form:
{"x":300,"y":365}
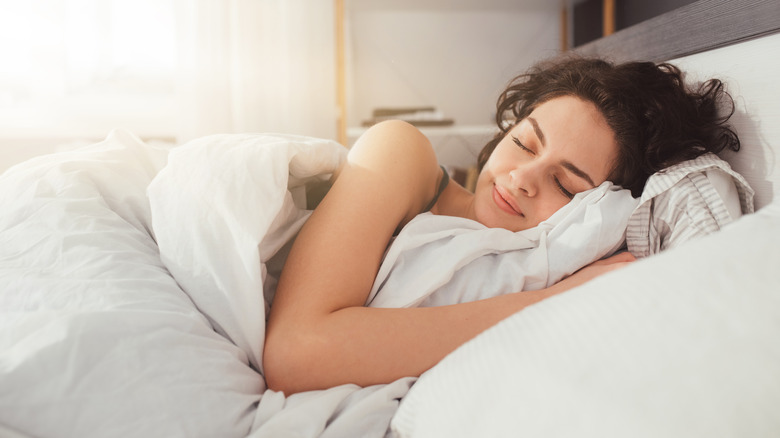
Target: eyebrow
{"x":567,"y":164}
{"x":579,"y":172}
{"x":537,"y":130}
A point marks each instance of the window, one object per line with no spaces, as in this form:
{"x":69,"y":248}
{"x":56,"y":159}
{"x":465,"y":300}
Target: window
{"x":79,"y":68}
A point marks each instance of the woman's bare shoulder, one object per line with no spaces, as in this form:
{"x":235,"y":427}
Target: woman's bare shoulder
{"x":401,"y":155}
{"x":395,"y":141}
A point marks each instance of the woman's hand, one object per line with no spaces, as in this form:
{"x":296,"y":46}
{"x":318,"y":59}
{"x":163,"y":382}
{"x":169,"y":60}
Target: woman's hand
{"x":596,"y":269}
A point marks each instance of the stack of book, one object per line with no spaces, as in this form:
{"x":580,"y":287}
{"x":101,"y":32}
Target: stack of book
{"x":417,"y":116}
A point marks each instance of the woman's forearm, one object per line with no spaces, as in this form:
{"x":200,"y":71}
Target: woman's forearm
{"x":368,"y":346}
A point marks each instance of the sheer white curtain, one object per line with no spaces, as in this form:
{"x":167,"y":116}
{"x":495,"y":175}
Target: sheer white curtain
{"x":255,"y":66}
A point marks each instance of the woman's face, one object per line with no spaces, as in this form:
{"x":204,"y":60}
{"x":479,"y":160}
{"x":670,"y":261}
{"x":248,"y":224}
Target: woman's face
{"x":562,"y":148}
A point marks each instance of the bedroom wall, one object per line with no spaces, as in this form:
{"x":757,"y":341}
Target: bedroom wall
{"x":454,"y":55}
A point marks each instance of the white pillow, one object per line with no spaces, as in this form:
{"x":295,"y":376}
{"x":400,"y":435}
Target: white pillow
{"x":683,"y":344}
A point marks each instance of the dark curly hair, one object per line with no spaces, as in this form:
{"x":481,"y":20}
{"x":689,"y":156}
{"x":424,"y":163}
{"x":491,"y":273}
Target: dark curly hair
{"x":657,"y":119}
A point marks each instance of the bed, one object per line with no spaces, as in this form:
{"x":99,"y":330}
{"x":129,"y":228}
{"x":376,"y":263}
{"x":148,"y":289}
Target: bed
{"x":110,"y":324}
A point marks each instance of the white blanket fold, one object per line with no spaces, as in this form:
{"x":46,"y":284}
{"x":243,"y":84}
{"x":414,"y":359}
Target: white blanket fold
{"x":221,"y":208}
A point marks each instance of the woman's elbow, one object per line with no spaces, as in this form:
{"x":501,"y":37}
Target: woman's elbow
{"x":287,"y":362}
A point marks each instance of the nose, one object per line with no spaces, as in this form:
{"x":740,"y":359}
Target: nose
{"x":525,"y":179}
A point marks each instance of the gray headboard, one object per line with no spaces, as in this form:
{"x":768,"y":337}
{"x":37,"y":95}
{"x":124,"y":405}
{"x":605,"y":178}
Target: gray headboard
{"x":697,"y":27}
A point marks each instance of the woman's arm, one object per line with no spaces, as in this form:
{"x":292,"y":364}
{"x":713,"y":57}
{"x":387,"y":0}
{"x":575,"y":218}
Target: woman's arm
{"x":319,"y":333}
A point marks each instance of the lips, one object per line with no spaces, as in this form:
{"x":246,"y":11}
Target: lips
{"x":504,"y":201}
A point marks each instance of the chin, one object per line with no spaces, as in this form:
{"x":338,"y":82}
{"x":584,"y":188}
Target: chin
{"x":505,"y":224}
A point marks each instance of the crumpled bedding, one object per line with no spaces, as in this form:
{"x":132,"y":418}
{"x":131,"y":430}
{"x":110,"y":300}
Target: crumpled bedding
{"x":474,"y":262}
{"x":96,"y":337}
{"x":221,"y":209}
{"x":131,"y":277}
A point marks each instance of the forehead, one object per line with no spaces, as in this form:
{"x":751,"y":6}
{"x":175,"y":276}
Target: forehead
{"x":582,"y":113}
{"x":576,"y":130}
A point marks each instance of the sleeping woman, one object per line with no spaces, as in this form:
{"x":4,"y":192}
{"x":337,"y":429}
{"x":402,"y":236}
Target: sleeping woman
{"x":573,"y":124}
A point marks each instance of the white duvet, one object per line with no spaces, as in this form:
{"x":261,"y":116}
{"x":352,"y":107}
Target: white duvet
{"x":131,"y":279}
{"x":96,"y":337}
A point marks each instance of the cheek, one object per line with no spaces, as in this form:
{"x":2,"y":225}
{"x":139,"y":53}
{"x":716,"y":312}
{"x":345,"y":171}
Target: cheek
{"x":483,"y":200}
{"x":548,"y":207}
{"x":482,"y":189}
{"x":485,"y":178}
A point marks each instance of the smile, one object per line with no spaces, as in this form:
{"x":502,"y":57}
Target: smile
{"x":503,"y":200}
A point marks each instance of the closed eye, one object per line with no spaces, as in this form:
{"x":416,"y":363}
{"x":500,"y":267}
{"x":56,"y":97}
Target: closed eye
{"x":522,"y":146}
{"x":562,"y":189}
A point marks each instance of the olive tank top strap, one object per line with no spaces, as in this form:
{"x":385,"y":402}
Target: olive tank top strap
{"x":445,"y":179}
